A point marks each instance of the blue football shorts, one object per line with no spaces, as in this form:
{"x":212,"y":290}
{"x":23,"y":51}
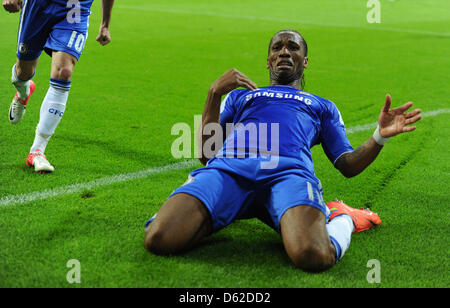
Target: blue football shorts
{"x":49,"y":26}
{"x":232,"y":188}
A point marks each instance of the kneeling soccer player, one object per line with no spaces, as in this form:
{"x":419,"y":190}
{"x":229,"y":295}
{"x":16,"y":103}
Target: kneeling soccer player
{"x":59,"y":27}
{"x":281,"y":190}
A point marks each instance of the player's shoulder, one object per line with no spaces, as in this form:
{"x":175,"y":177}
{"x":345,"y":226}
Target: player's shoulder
{"x":329,"y":109}
{"x":320,"y":99}
{"x":238,"y":93}
{"x":234,"y":95}
{"x":326,"y":108}
{"x":326,"y":104}
{"x":230,"y":100}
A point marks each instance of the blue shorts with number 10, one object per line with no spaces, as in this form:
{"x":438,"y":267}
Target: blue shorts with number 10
{"x":234,"y":189}
{"x":54,"y":25}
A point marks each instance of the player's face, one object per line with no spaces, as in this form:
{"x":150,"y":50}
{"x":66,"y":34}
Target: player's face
{"x":286,"y":60}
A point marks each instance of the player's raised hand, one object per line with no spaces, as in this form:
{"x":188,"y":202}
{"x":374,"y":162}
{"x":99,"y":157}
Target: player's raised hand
{"x":395,"y":121}
{"x":12,"y":6}
{"x":230,"y":81}
{"x":104,"y":37}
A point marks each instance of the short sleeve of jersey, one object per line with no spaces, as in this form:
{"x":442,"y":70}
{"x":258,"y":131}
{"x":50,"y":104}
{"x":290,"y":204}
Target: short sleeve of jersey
{"x":333,"y":137}
{"x":228,"y":109}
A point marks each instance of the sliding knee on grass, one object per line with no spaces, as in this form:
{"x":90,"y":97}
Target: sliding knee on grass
{"x":306,"y":240}
{"x":180,"y":224}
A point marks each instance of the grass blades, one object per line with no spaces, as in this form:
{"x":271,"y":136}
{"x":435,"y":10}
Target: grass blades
{"x":126,"y":97}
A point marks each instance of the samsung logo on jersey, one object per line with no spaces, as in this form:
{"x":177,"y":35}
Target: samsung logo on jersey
{"x":279,"y":95}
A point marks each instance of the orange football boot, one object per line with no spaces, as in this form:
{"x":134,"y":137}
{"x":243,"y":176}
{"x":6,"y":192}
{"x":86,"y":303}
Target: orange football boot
{"x":363,"y":219}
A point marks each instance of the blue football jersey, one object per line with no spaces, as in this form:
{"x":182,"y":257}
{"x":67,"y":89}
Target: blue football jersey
{"x":278,"y":122}
{"x":288,"y":122}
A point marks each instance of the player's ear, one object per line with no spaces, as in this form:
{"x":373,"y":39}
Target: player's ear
{"x":305,"y":62}
{"x":268,"y":63}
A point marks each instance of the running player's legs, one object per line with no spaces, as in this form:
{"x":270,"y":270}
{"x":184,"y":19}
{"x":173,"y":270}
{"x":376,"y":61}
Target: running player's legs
{"x":46,"y":27}
{"x":65,"y":44}
{"x":34,"y":27}
{"x":54,"y":104}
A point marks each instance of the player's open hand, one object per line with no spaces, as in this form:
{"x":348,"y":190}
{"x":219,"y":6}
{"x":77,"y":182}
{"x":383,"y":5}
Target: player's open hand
{"x":395,"y":121}
{"x":12,"y":6}
{"x":104,"y":37}
{"x":230,"y":81}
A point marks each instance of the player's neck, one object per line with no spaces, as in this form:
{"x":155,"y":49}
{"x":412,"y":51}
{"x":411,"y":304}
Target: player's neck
{"x":295,"y":83}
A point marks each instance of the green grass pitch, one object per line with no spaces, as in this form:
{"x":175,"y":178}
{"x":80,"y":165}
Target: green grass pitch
{"x":156,"y":72}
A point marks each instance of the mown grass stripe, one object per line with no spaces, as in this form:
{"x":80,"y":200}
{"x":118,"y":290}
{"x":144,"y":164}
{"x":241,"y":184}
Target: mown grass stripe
{"x":284,"y":20}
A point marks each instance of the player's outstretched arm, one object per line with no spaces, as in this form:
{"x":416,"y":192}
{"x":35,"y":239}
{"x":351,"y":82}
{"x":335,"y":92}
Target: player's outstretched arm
{"x":391,"y":122}
{"x":104,"y":36}
{"x":228,"y":82}
{"x":12,"y":6}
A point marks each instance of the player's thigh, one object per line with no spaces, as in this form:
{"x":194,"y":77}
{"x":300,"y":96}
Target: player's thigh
{"x":297,"y":210}
{"x":306,"y":239}
{"x":226,"y":195}
{"x":292,"y":190}
{"x":210,"y":200}
{"x":181,"y":221}
{"x":303,"y":227}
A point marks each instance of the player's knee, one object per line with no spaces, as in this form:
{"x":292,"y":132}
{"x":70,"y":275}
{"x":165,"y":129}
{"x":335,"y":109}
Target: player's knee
{"x":313,"y":258}
{"x":157,"y":241}
{"x":64,"y":73}
{"x":154,"y":240}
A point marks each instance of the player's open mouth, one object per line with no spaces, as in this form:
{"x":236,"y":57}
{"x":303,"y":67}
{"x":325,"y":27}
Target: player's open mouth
{"x":285,"y":65}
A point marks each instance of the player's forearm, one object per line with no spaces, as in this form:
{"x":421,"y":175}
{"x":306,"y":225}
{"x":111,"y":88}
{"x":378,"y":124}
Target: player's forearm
{"x":107,"y":6}
{"x":211,"y":114}
{"x":353,"y":163}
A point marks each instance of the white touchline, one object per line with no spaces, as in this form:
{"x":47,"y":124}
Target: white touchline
{"x":125,"y":177}
{"x":277,"y":19}
{"x":106,"y":181}
{"x":373,"y":125}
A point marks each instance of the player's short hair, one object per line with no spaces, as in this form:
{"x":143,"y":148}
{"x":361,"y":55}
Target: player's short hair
{"x":305,"y":45}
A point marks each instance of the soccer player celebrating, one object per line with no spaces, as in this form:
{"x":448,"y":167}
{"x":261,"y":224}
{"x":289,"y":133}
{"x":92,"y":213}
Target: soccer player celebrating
{"x":281,"y":189}
{"x":60,"y":27}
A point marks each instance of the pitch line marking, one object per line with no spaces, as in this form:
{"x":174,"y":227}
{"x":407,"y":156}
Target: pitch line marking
{"x":314,"y":23}
{"x":373,"y":125}
{"x":126,"y":177}
{"x":106,"y":181}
